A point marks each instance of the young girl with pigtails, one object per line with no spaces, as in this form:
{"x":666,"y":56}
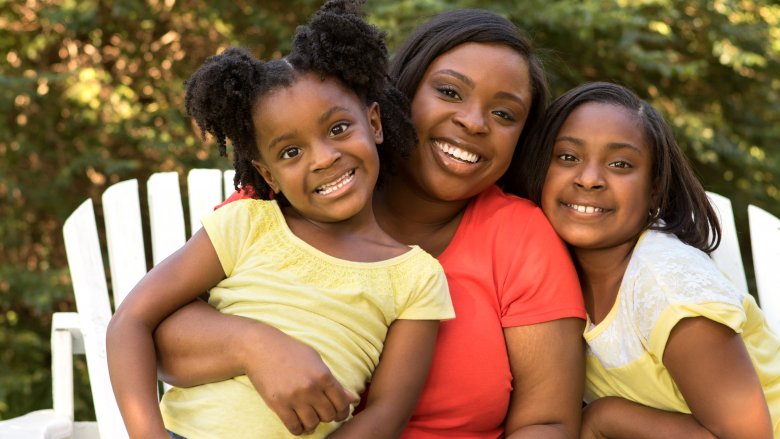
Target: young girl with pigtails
{"x":307,"y":132}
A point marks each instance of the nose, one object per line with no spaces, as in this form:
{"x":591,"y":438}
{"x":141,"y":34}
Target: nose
{"x":323,"y":155}
{"x":590,"y":177}
{"x":472,"y":120}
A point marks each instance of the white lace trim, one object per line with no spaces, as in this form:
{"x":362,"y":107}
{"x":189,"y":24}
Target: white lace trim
{"x":663,"y":273}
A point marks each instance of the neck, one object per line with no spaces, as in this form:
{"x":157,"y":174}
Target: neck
{"x":412,"y":217}
{"x":601,"y":272}
{"x":358,"y":238}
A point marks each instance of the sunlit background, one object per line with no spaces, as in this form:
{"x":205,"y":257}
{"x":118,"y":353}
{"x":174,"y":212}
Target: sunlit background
{"x":91,"y":94}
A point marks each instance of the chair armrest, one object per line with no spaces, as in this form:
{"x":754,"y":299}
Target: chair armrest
{"x":40,"y":424}
{"x":66,"y":340}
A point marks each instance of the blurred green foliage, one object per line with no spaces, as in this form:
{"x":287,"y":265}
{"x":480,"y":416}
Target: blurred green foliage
{"x":91,"y":94}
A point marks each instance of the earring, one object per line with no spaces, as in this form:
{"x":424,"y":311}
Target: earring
{"x":653,"y":214}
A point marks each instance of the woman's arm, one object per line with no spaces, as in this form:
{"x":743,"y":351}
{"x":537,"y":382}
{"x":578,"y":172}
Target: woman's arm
{"x":397,"y":381}
{"x":197,"y":344}
{"x":131,"y":358}
{"x":547,"y":361}
{"x":712,"y":369}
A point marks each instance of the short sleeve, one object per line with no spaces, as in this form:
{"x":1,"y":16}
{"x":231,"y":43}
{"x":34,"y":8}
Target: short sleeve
{"x":540,"y":283}
{"x":723,"y":313}
{"x":426,"y":296}
{"x":668,"y":281}
{"x":228,"y":228}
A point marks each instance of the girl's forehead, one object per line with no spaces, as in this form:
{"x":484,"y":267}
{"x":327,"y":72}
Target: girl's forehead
{"x":603,"y":115}
{"x":608,"y":123}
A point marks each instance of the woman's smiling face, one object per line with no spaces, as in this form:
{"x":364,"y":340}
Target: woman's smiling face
{"x":469,"y":110}
{"x":598,"y":189}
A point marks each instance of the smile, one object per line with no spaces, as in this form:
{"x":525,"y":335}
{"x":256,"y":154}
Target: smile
{"x":328,"y":188}
{"x":455,"y":152}
{"x":585,"y":209}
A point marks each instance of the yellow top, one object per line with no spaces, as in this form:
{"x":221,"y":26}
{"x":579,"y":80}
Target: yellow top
{"x":340,"y":308}
{"x":665,"y":282}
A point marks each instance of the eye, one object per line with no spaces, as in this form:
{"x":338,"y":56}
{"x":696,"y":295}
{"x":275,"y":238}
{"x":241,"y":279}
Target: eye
{"x":505,"y":115}
{"x":290,"y":152}
{"x":566,"y":157}
{"x":448,"y":91}
{"x":339,"y":128}
{"x":621,"y":164}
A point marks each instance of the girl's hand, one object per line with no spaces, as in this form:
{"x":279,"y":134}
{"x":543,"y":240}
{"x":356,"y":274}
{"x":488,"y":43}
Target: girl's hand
{"x":293,"y":380}
{"x":616,"y":418}
{"x":590,"y":420}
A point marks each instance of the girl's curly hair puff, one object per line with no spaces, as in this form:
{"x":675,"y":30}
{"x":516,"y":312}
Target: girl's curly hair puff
{"x":336,"y":43}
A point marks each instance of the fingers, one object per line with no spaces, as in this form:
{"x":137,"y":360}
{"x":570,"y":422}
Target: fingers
{"x":340,"y":399}
{"x":290,"y":420}
{"x":308,"y":418}
{"x":321,"y":400}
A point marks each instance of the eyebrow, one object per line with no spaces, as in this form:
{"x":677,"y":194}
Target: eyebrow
{"x":334,"y":109}
{"x":611,"y":145}
{"x":468,"y":81}
{"x":325,"y":116}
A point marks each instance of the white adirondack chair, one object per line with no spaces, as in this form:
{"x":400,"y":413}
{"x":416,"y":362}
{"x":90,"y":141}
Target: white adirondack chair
{"x":85,"y":331}
{"x":77,"y":333}
{"x":765,"y":240}
{"x":727,"y":256}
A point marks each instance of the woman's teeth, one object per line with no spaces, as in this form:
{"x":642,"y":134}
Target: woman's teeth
{"x":585,"y":209}
{"x":336,"y":185}
{"x":456,"y":152}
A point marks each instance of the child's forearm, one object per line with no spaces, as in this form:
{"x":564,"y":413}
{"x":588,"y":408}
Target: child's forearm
{"x":376,"y":422}
{"x":618,"y":418}
{"x":397,"y":381}
{"x":131,"y":362}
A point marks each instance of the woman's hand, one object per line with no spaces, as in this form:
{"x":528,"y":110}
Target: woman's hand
{"x":197,"y":345}
{"x":293,"y":381}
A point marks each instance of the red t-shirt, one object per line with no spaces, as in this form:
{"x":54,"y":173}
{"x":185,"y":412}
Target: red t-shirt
{"x":505,"y":267}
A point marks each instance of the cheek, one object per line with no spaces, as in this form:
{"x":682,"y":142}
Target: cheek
{"x":548,"y":197}
{"x":506,"y":142}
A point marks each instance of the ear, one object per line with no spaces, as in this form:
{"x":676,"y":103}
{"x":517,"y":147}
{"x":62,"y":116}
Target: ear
{"x":375,"y":120}
{"x":267,"y":176}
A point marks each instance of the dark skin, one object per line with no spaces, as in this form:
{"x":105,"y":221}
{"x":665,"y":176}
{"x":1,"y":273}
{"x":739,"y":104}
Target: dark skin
{"x":327,"y":133}
{"x":423,"y":204}
{"x":712,"y":369}
{"x":608,"y":174}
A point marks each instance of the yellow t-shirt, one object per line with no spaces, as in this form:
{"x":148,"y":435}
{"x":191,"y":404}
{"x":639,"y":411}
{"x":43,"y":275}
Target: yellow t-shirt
{"x":665,"y":282}
{"x":340,"y":308}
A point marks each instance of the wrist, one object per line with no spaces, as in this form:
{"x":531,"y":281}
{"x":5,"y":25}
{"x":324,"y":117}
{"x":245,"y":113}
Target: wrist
{"x":252,"y":341}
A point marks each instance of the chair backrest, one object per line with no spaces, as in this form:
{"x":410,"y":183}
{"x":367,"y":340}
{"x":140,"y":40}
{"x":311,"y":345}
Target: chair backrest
{"x":727,"y":256}
{"x":124,"y":237}
{"x":765,"y":241}
{"x":85,"y":261}
{"x":127,"y":260}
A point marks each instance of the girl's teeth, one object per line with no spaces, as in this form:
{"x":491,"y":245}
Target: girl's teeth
{"x":338,"y":184}
{"x":585,"y":209}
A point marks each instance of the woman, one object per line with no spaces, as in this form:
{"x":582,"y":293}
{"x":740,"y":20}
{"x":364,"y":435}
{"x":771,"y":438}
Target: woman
{"x":511,"y":362}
